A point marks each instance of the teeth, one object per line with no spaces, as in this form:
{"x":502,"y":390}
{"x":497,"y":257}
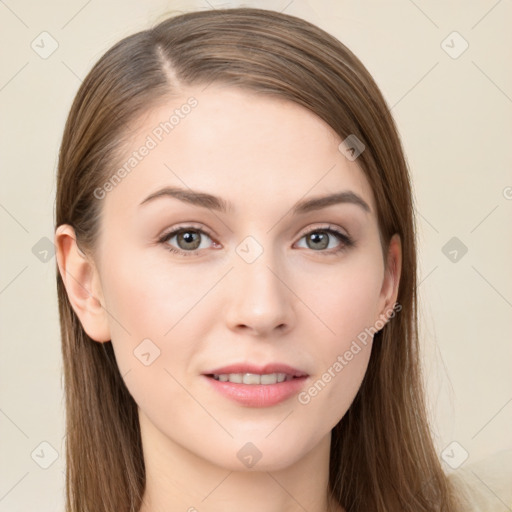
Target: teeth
{"x":270,"y":378}
{"x":253,"y":378}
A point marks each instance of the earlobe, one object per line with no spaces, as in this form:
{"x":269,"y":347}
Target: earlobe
{"x":389,"y":292}
{"x":82,"y":284}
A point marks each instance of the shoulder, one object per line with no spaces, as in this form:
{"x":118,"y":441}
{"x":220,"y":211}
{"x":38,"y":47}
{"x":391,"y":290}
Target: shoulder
{"x":485,"y":485}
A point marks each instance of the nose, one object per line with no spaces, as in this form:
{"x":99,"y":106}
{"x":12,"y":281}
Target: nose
{"x":259,"y":298}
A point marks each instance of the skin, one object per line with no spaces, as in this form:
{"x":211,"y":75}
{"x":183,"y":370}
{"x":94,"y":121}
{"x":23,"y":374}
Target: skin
{"x":294,"y":304}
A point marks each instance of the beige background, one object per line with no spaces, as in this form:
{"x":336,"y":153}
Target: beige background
{"x":454,"y":115}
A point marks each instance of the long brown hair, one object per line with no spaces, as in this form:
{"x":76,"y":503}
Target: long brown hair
{"x":382,"y":455}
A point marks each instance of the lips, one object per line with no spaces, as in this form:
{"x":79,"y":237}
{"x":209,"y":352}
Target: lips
{"x":246,"y":390}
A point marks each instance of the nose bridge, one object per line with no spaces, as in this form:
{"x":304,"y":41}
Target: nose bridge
{"x":258,"y":298}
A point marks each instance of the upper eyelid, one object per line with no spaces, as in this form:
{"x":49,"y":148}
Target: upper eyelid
{"x":184,"y":227}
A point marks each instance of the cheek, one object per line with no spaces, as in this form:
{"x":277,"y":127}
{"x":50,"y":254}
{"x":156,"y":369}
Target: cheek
{"x":346,"y":302}
{"x":149,"y":315}
{"x":149,"y":296}
{"x":148,"y":307}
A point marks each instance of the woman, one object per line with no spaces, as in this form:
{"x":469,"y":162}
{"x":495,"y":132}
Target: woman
{"x":237,"y":278}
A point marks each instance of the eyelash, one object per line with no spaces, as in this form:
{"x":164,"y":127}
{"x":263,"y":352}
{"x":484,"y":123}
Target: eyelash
{"x":347,"y":241}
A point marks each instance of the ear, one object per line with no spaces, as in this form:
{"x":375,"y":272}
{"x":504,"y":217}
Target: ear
{"x":82,"y":284}
{"x":392,"y":272}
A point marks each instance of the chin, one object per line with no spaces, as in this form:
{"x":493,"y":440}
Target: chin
{"x":264,"y":454}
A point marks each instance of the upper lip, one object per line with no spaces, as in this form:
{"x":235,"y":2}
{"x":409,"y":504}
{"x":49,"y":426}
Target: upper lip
{"x":260,"y":370}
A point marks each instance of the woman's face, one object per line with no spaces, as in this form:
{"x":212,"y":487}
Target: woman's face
{"x":254,"y":278}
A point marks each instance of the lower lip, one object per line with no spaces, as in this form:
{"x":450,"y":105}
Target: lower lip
{"x":258,"y":395}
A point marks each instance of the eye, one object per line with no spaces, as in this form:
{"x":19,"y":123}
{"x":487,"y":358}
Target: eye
{"x":187,"y":238}
{"x":320,"y":239}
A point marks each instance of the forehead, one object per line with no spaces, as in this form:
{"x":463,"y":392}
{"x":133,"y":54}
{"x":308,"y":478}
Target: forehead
{"x":253,"y":150}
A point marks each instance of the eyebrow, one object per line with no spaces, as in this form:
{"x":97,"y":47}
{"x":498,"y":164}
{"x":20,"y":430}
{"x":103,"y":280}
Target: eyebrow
{"x":204,"y":200}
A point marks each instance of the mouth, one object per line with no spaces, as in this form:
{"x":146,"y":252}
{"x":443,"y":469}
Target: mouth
{"x":253,"y":386}
{"x":253,"y":378}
